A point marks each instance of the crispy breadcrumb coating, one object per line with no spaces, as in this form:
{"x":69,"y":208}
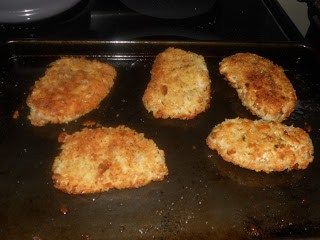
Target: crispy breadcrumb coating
{"x":96,"y":160}
{"x":70,"y":88}
{"x":261,"y":145}
{"x":179,"y":87}
{"x":262,"y":86}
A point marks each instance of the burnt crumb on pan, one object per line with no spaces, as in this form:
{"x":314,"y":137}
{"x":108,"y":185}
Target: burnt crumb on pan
{"x":307,"y":127}
{"x":90,"y":123}
{"x":16,"y":114}
{"x":304,"y":202}
{"x":180,"y":86}
{"x":122,"y":228}
{"x":96,"y":160}
{"x":145,"y":229}
{"x":36,"y":238}
{"x":62,"y":136}
{"x":63,"y":209}
{"x":254,"y":230}
{"x":85,"y":236}
{"x":70,"y":88}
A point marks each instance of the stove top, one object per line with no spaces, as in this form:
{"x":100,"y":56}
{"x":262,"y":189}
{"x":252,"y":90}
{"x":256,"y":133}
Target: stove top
{"x":227,"y":20}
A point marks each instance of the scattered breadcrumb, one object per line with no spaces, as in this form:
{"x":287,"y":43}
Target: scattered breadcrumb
{"x":16,"y":114}
{"x":63,"y":209}
{"x":179,"y":87}
{"x":307,"y":127}
{"x":96,"y":160}
{"x":62,"y":136}
{"x":261,"y":145}
{"x":262,"y":85}
{"x":89,"y":123}
{"x":70,"y":88}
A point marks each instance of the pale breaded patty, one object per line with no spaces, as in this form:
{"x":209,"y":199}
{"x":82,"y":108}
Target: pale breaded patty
{"x":70,"y":88}
{"x":261,"y":145}
{"x":262,"y":86}
{"x":179,"y":87}
{"x":96,"y":160}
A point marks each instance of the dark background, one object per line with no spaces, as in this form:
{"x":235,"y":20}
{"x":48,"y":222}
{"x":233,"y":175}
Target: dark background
{"x":227,"y":20}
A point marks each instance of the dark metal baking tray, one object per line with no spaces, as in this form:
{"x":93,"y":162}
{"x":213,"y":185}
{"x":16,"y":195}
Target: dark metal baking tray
{"x":202,"y":198}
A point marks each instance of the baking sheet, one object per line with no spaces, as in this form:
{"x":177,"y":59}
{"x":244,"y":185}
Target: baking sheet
{"x":202,"y":198}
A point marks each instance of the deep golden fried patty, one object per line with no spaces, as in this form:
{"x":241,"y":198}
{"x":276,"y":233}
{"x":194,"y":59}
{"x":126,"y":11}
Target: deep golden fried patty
{"x":70,"y":88}
{"x":262,"y":86}
{"x":179,"y":87}
{"x":261,"y":145}
{"x":96,"y":160}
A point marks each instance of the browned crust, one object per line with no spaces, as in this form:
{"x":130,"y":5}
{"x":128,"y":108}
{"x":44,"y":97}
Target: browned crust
{"x":70,"y":88}
{"x":96,"y":160}
{"x":179,"y":87}
{"x":261,"y":146}
{"x":262,"y":85}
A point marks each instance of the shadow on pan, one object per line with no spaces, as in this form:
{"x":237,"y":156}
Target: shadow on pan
{"x":251,"y":178}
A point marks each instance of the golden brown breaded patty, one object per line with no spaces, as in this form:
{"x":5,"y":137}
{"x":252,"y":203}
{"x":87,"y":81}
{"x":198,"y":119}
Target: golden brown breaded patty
{"x":70,"y":88}
{"x":262,"y":86}
{"x":261,"y":145}
{"x":179,"y":85}
{"x":96,"y":160}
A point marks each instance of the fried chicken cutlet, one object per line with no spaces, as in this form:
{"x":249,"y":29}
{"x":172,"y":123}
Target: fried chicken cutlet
{"x":262,"y":86}
{"x":96,"y":160}
{"x":179,"y":87}
{"x":261,"y":145}
{"x":70,"y":88}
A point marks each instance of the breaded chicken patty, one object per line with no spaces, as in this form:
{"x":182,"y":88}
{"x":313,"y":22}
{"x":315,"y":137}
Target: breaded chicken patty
{"x":70,"y":88}
{"x":262,"y":86}
{"x":261,"y":145}
{"x":179,"y":87}
{"x":96,"y":160}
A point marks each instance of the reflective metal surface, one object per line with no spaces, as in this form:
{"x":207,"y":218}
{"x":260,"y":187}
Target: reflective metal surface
{"x":202,"y":198}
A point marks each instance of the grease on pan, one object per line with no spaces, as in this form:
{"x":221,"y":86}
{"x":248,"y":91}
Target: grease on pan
{"x":262,"y":85}
{"x":70,"y":88}
{"x":250,"y":178}
{"x":179,"y":87}
{"x":96,"y":160}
